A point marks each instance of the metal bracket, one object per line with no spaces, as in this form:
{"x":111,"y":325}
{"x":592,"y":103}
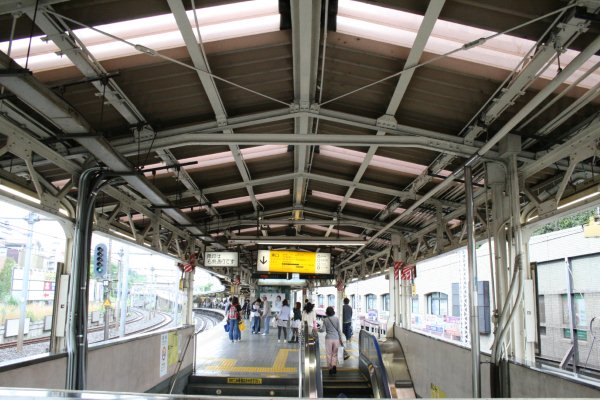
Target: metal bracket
{"x":143,"y":133}
{"x":387,"y":121}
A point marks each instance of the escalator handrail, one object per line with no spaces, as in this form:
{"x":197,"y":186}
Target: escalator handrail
{"x":310,"y":375}
{"x":382,"y":382}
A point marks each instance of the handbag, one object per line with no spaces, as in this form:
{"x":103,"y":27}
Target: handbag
{"x":242,"y":326}
{"x":226,"y":327}
{"x":340,"y":356}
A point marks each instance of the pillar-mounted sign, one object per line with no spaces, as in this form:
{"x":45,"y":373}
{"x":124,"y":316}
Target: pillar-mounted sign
{"x":221,"y":259}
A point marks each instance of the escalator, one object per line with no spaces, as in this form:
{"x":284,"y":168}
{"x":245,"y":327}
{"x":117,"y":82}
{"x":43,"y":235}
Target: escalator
{"x":367,"y":380}
{"x":348,"y":383}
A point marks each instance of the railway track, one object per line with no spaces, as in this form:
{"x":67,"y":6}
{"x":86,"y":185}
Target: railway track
{"x":206,"y":319}
{"x":137,"y":316}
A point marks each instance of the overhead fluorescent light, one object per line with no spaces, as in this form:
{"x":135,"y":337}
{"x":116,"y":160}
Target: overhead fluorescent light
{"x":291,"y":241}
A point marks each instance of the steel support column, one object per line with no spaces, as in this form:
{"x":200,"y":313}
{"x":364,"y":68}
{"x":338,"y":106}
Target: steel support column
{"x":500,"y":211}
{"x":89,"y":184}
{"x":472,"y":260}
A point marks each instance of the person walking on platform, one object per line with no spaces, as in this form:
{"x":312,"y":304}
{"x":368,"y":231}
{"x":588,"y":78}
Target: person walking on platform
{"x":283,"y":319}
{"x":246,"y":309}
{"x":296,"y":322}
{"x":309,"y":315}
{"x":347,"y":319}
{"x":255,"y":324}
{"x":266,"y":315}
{"x":333,"y":339}
{"x":233,"y":318}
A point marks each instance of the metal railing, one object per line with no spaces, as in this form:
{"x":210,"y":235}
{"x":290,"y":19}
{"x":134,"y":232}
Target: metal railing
{"x":310,"y":379}
{"x":182,"y":357}
{"x":371,"y":364}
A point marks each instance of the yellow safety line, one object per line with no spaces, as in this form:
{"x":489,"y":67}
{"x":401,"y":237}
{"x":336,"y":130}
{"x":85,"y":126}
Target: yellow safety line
{"x":229,"y":365}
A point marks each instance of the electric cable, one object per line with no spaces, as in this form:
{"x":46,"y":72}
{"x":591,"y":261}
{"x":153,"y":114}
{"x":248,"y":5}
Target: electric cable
{"x":151,"y":52}
{"x":466,"y":46}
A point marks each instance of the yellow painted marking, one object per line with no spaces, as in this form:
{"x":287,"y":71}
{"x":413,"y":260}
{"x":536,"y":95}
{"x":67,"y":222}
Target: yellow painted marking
{"x":230,"y":365}
{"x":245,"y":381}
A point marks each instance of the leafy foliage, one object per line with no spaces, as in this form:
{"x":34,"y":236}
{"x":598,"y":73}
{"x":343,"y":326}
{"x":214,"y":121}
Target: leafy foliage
{"x":571,"y":221}
{"x":6,"y":280}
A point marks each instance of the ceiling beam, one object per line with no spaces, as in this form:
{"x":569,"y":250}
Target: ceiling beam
{"x":506,"y":95}
{"x":306,"y":27}
{"x":210,"y":88}
{"x":425,"y":29}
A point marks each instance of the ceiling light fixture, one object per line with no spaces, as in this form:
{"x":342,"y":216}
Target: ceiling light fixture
{"x":290,"y":241}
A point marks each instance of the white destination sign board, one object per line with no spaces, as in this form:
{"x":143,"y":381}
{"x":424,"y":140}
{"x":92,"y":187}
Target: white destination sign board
{"x":221,"y":259}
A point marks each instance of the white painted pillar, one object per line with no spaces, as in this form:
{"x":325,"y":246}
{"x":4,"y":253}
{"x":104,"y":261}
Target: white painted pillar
{"x":189,"y":290}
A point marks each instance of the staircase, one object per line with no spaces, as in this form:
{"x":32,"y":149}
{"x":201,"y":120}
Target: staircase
{"x":241,"y":386}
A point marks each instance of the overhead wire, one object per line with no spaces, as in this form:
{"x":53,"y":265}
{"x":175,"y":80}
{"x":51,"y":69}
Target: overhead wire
{"x":151,"y":52}
{"x":31,"y":32}
{"x":466,"y":46}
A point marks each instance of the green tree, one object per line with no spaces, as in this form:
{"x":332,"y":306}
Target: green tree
{"x":571,"y":221}
{"x":6,"y":279}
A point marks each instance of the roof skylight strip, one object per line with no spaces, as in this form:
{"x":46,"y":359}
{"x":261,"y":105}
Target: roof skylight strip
{"x":158,"y":32}
{"x":399,"y":28}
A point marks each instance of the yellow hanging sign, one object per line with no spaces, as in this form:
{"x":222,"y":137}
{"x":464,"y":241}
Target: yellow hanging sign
{"x":299,"y":262}
{"x":107,"y":303}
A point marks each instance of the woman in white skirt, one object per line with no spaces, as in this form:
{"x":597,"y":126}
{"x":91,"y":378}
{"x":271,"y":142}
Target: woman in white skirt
{"x":283,"y":319}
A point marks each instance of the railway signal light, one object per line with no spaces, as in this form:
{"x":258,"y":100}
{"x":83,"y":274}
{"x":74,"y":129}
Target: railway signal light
{"x":100,"y":261}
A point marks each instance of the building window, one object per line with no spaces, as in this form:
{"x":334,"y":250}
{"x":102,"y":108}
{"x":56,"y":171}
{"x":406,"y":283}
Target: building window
{"x":371,"y":301}
{"x":353,"y":301}
{"x":331,"y":300}
{"x":581,"y":334}
{"x":483,"y":305}
{"x":385,"y":302}
{"x":579,"y":305}
{"x":415,"y":304}
{"x":320,"y":300}
{"x":542,"y":309}
{"x":437,"y":304}
{"x":543,"y":330}
{"x":455,"y":300}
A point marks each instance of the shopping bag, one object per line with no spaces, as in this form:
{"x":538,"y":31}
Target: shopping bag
{"x":242,"y":326}
{"x":226,"y":327}
{"x":346,"y":355}
{"x":340,"y":356}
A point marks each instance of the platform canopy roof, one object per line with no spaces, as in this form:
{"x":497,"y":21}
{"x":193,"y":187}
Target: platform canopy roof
{"x":233,"y":123}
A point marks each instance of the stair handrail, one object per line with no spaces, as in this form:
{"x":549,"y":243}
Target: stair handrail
{"x":370,"y":354}
{"x":182,"y":356}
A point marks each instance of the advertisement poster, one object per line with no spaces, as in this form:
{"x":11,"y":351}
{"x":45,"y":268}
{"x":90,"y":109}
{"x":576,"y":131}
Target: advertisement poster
{"x":276,"y":300}
{"x":173,"y":348}
{"x":164,"y":344}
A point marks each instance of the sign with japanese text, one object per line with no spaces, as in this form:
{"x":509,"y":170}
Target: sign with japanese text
{"x":296,"y":262}
{"x":221,"y":259}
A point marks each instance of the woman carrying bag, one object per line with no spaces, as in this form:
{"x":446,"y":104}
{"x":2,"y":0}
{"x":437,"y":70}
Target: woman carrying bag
{"x":296,"y":322}
{"x":333,"y":339}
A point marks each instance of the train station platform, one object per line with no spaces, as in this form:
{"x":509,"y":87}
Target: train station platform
{"x":258,"y":364}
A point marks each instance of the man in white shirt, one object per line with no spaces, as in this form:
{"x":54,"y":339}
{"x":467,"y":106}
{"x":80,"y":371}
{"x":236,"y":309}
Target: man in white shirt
{"x":266,"y":315}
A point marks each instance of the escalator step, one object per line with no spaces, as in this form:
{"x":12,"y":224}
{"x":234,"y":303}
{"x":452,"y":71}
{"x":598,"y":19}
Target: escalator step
{"x":242,"y":390}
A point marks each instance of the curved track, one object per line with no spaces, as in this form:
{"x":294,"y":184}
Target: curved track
{"x":137,"y":316}
{"x":206,"y":318}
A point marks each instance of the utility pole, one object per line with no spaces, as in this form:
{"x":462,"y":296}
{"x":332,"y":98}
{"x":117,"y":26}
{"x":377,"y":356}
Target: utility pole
{"x":124,"y":272}
{"x":31,"y":219}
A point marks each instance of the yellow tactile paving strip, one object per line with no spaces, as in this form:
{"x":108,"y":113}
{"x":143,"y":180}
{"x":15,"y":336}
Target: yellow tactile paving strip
{"x":230,"y":365}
